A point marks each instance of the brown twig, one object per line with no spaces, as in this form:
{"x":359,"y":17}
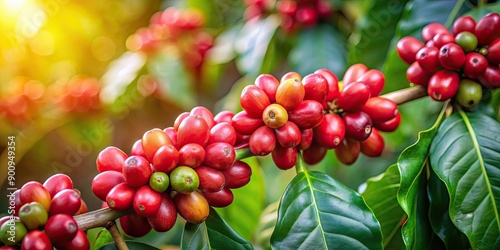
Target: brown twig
{"x":97,"y":218}
{"x":117,"y":236}
{"x":406,"y":95}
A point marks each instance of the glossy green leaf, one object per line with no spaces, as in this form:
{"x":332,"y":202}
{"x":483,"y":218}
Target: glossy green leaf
{"x":319,"y":47}
{"x":439,"y":217}
{"x":381,"y":196}
{"x":368,"y":43}
{"x":253,"y":42}
{"x":251,"y":208}
{"x":102,"y":238}
{"x":465,"y":154}
{"x":175,"y":82}
{"x":416,"y":15}
{"x":213,"y":233}
{"x":132,"y":245}
{"x":318,"y":212}
{"x":412,"y":164}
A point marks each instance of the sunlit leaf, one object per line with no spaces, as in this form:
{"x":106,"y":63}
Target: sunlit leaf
{"x":381,"y":196}
{"x":318,"y":212}
{"x":319,"y":47}
{"x":213,"y":233}
{"x":103,"y":238}
{"x":465,"y":154}
{"x":412,"y":164}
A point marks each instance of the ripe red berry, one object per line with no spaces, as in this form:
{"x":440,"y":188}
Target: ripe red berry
{"x":222,"y":132}
{"x":238,"y":175}
{"x":136,"y":150}
{"x":165,"y":159}
{"x":308,"y":114}
{"x":291,"y":75}
{"x":355,"y":71}
{"x":348,"y":151}
{"x":137,"y":171}
{"x":306,"y":138}
{"x":166,"y":216}
{"x":65,"y":202}
{"x":375,"y":81}
{"x":389,"y":125}
{"x":314,"y":154}
{"x":134,"y":225}
{"x":152,"y":140}
{"x":224,"y":116}
{"x":262,"y":142}
{"x":316,"y":87}
{"x":269,"y":84}
{"x":79,"y":242}
{"x":146,"y":201}
{"x":36,"y":240}
{"x":191,"y":155}
{"x":211,"y":180}
{"x":254,"y":100}
{"x":358,"y":125}
{"x":464,"y":23}
{"x":104,"y":182}
{"x":120,"y":197}
{"x":284,"y":158}
{"x":205,"y":113}
{"x":491,"y":77}
{"x":330,"y":132}
{"x":306,"y":15}
{"x":110,"y":158}
{"x":380,"y":109}
{"x":288,"y":135}
{"x":407,"y":47}
{"x":373,"y":146}
{"x":416,"y":75}
{"x":219,"y":155}
{"x":432,"y":29}
{"x":333,"y":83}
{"x":451,"y":56}
{"x":475,"y":65}
{"x":57,"y":182}
{"x":428,"y":59}
{"x":487,"y":28}
{"x":353,"y":96}
{"x":222,"y":198}
{"x":443,"y":85}
{"x":494,"y":52}
{"x":61,"y":229}
{"x":244,"y":124}
{"x":34,"y":191}
{"x":290,"y":93}
{"x":180,"y":118}
{"x":193,"y":129}
{"x":442,"y":39}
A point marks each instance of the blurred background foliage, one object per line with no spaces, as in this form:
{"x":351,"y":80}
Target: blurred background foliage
{"x":77,"y":76}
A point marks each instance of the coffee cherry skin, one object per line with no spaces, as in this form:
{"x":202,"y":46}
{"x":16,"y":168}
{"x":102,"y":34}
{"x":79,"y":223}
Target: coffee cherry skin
{"x":330,"y":132}
{"x":475,"y":65}
{"x":428,"y":59}
{"x":288,"y":135}
{"x":416,"y":75}
{"x":221,"y":198}
{"x":306,"y":139}
{"x":254,"y":100}
{"x":466,"y":40}
{"x":432,"y":29}
{"x":104,"y":182}
{"x":354,"y":72}
{"x":407,"y":48}
{"x":67,"y":201}
{"x":120,"y":197}
{"x":443,"y":85}
{"x":205,"y":113}
{"x":165,"y":159}
{"x":137,"y":171}
{"x":373,"y":146}
{"x":222,"y":132}
{"x":358,"y":125}
{"x":451,"y":56}
{"x":245,"y":124}
{"x":487,"y":28}
{"x":275,"y":116}
{"x":333,"y":83}
{"x":193,"y":207}
{"x":211,"y":180}
{"x":290,"y":93}
{"x":314,"y":154}
{"x":263,"y":141}
{"x":79,"y":242}
{"x":219,"y":155}
{"x":491,"y":77}
{"x":193,"y":129}
{"x":110,"y":158}
{"x":191,"y":155}
{"x":166,"y":216}
{"x":134,"y":225}
{"x":390,"y":125}
{"x":146,"y":201}
{"x":316,"y":87}
{"x":375,"y":81}
{"x":284,"y":158}
{"x":348,"y":151}
{"x":269,"y":84}
{"x":61,"y":229}
{"x":152,"y":140}
{"x":57,"y":182}
{"x":33,"y":215}
{"x":36,"y":240}
{"x":380,"y":109}
{"x":34,"y":191}
{"x":159,"y":182}
{"x":184,"y":180}
{"x":238,"y":175}
{"x":469,"y":93}
{"x":353,"y":96}
{"x":494,"y":52}
{"x":308,"y":114}
{"x":464,"y":23}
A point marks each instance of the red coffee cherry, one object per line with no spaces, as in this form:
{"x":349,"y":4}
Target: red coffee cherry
{"x":136,"y":150}
{"x":451,"y":56}
{"x":254,"y":100}
{"x":191,"y":155}
{"x":146,"y":201}
{"x":193,"y":207}
{"x":443,"y":85}
{"x":244,"y":124}
{"x":373,"y":146}
{"x":354,"y":72}
{"x":205,"y":113}
{"x":180,"y":118}
{"x":34,"y":191}
{"x":442,"y":39}
{"x":407,"y":48}
{"x":284,"y":158}
{"x":193,"y":129}
{"x":36,"y":240}
{"x":290,"y":93}
{"x":224,"y":116}
{"x":306,"y":138}
{"x":333,"y":83}
{"x":275,"y":116}
{"x":57,"y":182}
{"x":389,"y":125}
{"x":211,"y":180}
{"x":358,"y":125}
{"x":306,"y":15}
{"x":287,"y":7}
{"x":375,"y":81}
{"x":428,"y":59}
{"x":316,"y":87}
{"x":79,"y":242}
{"x":238,"y":175}
{"x":491,"y":77}
{"x":166,"y":159}
{"x":262,"y":142}
{"x":241,"y":141}
{"x":475,"y":65}
{"x":221,"y":198}
{"x":314,"y":154}
{"x":219,"y":155}
{"x":65,"y":202}
{"x":494,"y":52}
{"x":291,"y":75}
{"x":348,"y":151}
{"x":134,"y":225}
{"x":110,"y":158}
{"x":83,"y":207}
{"x":380,"y":109}
{"x":308,"y":114}
{"x":120,"y":197}
{"x":416,"y":75}
{"x":104,"y":182}
{"x":330,"y":132}
{"x":487,"y":28}
{"x":166,"y":216}
{"x":61,"y":229}
{"x":464,"y":23}
{"x":269,"y":84}
{"x":288,"y":135}
{"x":353,"y":96}
{"x":222,"y":132}
{"x":432,"y":29}
{"x":137,"y":171}
{"x":152,"y":140}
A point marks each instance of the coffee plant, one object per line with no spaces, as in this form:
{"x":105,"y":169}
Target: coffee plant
{"x":279,"y":113}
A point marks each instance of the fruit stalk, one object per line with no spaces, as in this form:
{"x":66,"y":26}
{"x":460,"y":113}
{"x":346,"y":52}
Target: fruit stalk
{"x":406,"y":95}
{"x":117,"y":236}
{"x":97,"y":218}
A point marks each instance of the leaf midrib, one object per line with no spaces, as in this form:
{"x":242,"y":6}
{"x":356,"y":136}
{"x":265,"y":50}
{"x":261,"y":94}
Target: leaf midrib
{"x":309,"y":185}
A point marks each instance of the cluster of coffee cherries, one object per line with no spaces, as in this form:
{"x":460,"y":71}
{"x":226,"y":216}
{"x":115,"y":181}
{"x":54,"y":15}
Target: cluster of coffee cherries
{"x":178,"y":27}
{"x":294,"y":13}
{"x":456,"y":64}
{"x":315,"y":114}
{"x":20,"y":100}
{"x":78,"y":95}
{"x":42,"y":216}
{"x":182,"y":169}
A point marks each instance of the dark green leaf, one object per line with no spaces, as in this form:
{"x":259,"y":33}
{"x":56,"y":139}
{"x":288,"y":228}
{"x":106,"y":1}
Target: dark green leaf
{"x":439,"y":217}
{"x":319,"y":47}
{"x":381,"y":196}
{"x":318,"y":212}
{"x":252,"y":44}
{"x":368,"y":44}
{"x":132,"y":245}
{"x":175,"y":82}
{"x":466,"y":156}
{"x":412,"y":163}
{"x":213,"y":233}
{"x":251,"y":208}
{"x":416,"y":15}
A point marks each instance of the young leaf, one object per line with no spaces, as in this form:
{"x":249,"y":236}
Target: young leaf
{"x":103,"y":238}
{"x":412,"y":163}
{"x":132,"y":245}
{"x":466,"y":156}
{"x":213,"y":233}
{"x":251,"y":208}
{"x":439,"y":217}
{"x":319,"y":47}
{"x":318,"y":212}
{"x":381,"y":196}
